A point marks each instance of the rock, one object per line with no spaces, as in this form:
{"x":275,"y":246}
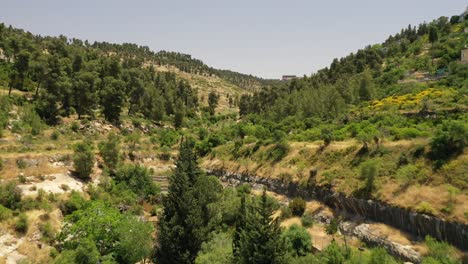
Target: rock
{"x":402,"y":218}
{"x":365,"y":234}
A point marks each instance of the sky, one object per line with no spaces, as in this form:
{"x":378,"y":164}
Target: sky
{"x":266,"y":38}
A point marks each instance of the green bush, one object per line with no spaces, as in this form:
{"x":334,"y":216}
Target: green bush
{"x":73,"y":203}
{"x":369,"y":172}
{"x":406,"y":133}
{"x":110,"y":151}
{"x":285,"y":212}
{"x":22,"y":223}
{"x":75,"y":126}
{"x":425,"y":208}
{"x":83,"y":160}
{"x":307,"y":220}
{"x":439,"y":252}
{"x":168,"y":137}
{"x":138,"y":179}
{"x":298,"y":240}
{"x":21,"y":164}
{"x":217,"y":250}
{"x":55,"y":135}
{"x":5,"y":213}
{"x":450,"y":139}
{"x":297,"y":206}
{"x":165,"y":153}
{"x":10,"y":195}
{"x":47,"y":231}
{"x":279,"y":151}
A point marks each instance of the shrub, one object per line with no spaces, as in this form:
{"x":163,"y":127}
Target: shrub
{"x":409,"y":173}
{"x":327,"y":136}
{"x":30,"y":121}
{"x":307,"y":220}
{"x":5,"y":213}
{"x":22,"y":223}
{"x":48,"y":233}
{"x":138,"y":179}
{"x":406,"y":133}
{"x":216,"y":250}
{"x":83,"y":160}
{"x":21,"y":164}
{"x":74,"y":202}
{"x":285,"y":212}
{"x":279,"y":151}
{"x":55,"y":135}
{"x":298,"y":240}
{"x":450,"y":139}
{"x":74,"y":126}
{"x":368,"y":173}
{"x":297,"y":206}
{"x":10,"y":195}
{"x":439,"y":252}
{"x":425,"y":208}
{"x":165,"y":153}
{"x":87,"y":252}
{"x":110,"y":151}
{"x":168,"y":137}
{"x":418,"y":151}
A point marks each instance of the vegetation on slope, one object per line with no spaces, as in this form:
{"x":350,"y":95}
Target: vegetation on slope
{"x":388,"y":123}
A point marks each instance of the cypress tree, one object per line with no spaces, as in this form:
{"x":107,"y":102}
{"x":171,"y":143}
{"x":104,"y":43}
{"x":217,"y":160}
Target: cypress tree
{"x":260,"y":239}
{"x":179,"y":229}
{"x":239,"y":225}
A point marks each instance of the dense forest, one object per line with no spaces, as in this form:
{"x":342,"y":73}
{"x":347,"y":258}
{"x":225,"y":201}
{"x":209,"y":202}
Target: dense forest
{"x":122,"y":149}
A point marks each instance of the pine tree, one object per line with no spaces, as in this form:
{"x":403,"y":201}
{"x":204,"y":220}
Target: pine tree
{"x":112,"y":99}
{"x":179,"y":229}
{"x":239,"y":225}
{"x":433,"y":34}
{"x":213,"y":99}
{"x":261,"y":241}
{"x":366,"y":86}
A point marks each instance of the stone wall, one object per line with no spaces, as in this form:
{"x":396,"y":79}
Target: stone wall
{"x":404,"y":219}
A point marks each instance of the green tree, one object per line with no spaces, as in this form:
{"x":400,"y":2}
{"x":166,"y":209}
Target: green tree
{"x":10,"y":195}
{"x":86,"y":252}
{"x":298,"y":240}
{"x":179,"y":115}
{"x":217,"y":250}
{"x":138,"y":179}
{"x":369,"y":172}
{"x":124,"y":236}
{"x":85,"y":87}
{"x":297,"y":206}
{"x":450,"y":139}
{"x":261,"y":240}
{"x":112,"y":99}
{"x":366,"y":86}
{"x":333,"y":254}
{"x":240,"y":223}
{"x":213,"y":99}
{"x":135,"y":240}
{"x":180,"y":228}
{"x":433,"y":34}
{"x":20,"y":70}
{"x":83,"y":160}
{"x":110,"y":151}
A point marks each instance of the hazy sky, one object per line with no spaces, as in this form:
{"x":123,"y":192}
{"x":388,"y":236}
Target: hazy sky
{"x":267,"y":38}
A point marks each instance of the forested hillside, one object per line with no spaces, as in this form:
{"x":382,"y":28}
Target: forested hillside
{"x":106,"y":152}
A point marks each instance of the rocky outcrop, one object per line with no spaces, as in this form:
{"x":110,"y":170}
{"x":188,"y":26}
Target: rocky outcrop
{"x":401,"y":218}
{"x":364,"y":233}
